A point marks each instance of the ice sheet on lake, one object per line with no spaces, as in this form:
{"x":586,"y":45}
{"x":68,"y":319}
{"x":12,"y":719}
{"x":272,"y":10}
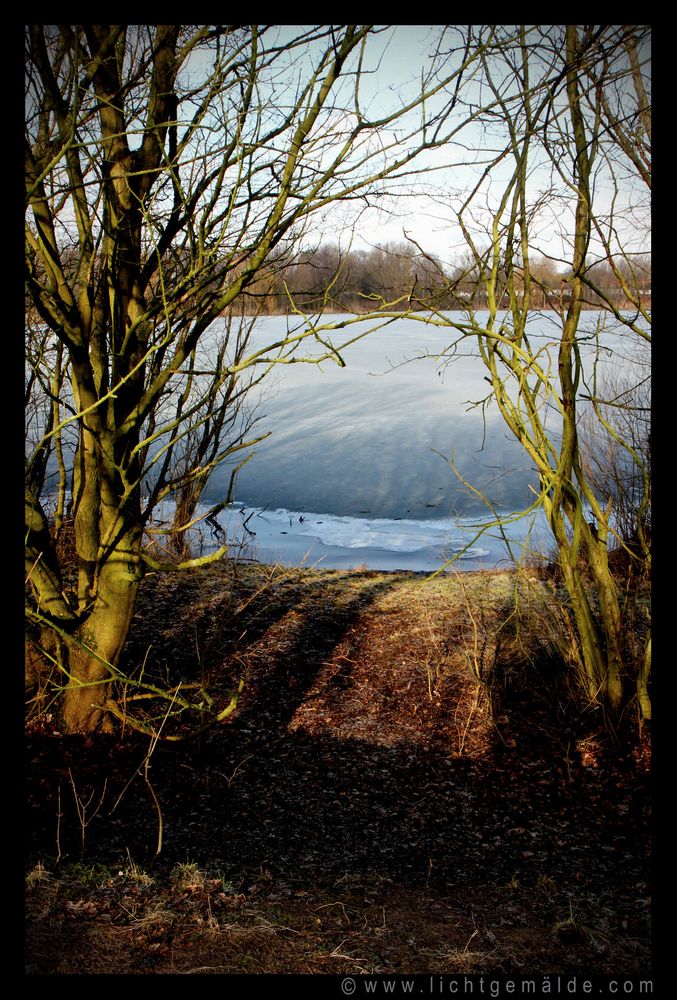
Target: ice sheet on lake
{"x":332,"y":541}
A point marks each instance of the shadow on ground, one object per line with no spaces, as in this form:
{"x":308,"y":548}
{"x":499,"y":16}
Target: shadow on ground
{"x":267,"y":790}
{"x":338,"y":763}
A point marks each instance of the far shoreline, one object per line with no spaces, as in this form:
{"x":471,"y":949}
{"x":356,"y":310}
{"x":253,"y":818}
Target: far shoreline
{"x":407,"y":312}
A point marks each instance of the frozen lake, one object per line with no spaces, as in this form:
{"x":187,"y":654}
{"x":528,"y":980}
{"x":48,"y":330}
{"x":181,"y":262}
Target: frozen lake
{"x":357,"y":468}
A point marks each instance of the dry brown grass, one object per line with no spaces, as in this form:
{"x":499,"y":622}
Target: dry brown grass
{"x":356,"y":925}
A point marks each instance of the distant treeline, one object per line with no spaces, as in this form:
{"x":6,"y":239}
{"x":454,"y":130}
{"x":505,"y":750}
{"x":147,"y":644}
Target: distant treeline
{"x":395,"y":275}
{"x":401,"y":275}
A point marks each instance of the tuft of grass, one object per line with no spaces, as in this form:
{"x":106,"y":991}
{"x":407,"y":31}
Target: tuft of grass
{"x":573,"y":928}
{"x":38,"y":876}
{"x":87,"y":876}
{"x":188,"y":877}
{"x":547,"y":885}
{"x":154,"y":915}
{"x":134,"y":873}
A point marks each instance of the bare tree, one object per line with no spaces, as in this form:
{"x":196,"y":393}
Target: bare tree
{"x":566,"y":143}
{"x":554,"y":124}
{"x":166,"y":165}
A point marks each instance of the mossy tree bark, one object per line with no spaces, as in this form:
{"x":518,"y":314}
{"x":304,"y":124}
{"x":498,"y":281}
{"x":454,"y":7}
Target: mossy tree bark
{"x":101,"y":639}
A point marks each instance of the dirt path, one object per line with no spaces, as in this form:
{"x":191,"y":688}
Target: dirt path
{"x":369,"y":807}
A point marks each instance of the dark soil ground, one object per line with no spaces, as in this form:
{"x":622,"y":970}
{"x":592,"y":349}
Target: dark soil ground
{"x":404,"y":787}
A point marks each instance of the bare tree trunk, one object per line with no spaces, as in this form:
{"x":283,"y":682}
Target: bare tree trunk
{"x":100,"y":640}
{"x":642,"y":683}
{"x":592,"y":658}
{"x":610,"y":611}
